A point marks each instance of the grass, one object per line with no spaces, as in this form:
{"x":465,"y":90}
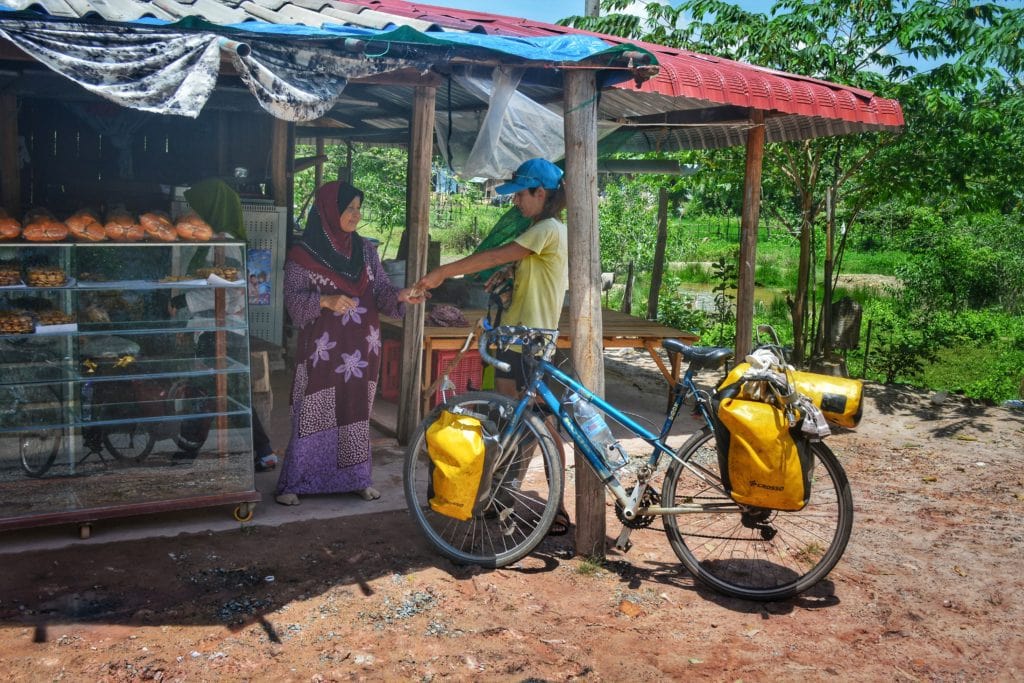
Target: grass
{"x":590,"y":566}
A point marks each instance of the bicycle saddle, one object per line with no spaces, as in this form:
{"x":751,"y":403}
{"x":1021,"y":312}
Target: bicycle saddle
{"x":699,"y":357}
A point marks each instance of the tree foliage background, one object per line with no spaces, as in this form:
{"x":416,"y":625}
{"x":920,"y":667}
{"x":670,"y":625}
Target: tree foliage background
{"x":947,"y":190}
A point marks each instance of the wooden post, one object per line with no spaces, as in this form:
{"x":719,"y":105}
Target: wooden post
{"x":279,"y":163}
{"x":584,"y":285}
{"x":10,"y":174}
{"x":825,"y":339}
{"x":417,"y":226}
{"x":748,"y":235}
{"x":318,"y":172}
{"x":627,"y":294}
{"x":659,"y":255}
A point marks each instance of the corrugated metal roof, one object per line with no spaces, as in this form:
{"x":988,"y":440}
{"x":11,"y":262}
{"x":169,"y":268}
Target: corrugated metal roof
{"x":799,"y":107}
{"x":796,"y":107}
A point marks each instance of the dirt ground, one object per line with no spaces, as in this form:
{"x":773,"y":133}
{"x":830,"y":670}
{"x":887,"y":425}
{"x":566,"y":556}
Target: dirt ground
{"x":930,"y":588}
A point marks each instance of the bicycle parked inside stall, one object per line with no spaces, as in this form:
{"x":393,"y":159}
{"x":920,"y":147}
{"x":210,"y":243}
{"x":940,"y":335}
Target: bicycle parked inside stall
{"x":739,"y":550}
{"x":134,"y":413}
{"x":33,"y":414}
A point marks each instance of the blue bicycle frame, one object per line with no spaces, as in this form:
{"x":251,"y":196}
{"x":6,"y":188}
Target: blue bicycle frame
{"x":536,"y":387}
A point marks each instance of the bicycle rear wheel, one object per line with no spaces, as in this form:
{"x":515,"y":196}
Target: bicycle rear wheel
{"x":526,"y":485}
{"x":28,"y":406}
{"x":754,"y":553}
{"x":129,"y":441}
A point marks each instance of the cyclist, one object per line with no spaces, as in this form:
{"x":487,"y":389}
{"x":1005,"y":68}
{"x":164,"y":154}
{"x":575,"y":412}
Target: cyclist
{"x":541,"y":270}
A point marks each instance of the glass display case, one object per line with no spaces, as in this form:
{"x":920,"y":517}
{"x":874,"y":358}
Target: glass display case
{"x":124,"y":380}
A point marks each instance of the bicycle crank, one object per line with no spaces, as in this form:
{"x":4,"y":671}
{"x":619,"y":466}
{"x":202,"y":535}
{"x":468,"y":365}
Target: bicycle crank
{"x":650,"y":497}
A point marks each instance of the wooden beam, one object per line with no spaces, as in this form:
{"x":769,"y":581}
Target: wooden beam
{"x":748,"y":235}
{"x":279,"y":162}
{"x":584,"y":285}
{"x":318,"y":174}
{"x":10,"y":174}
{"x":417,"y":225}
{"x":410,"y":77}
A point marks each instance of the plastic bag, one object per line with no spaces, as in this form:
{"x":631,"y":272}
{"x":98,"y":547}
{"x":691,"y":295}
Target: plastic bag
{"x":515,"y":128}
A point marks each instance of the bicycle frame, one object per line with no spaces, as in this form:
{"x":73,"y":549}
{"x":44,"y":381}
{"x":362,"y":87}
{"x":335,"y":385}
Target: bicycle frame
{"x":629,"y":502}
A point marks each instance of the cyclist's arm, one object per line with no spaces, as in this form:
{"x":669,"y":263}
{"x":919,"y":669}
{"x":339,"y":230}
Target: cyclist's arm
{"x":474,"y":263}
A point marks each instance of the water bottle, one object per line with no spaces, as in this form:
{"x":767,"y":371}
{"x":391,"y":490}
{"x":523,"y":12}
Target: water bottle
{"x":597,"y":430}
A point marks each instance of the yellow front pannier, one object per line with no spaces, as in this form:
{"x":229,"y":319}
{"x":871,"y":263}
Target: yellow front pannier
{"x":838,"y":398}
{"x":762,"y":462}
{"x":460,"y":480}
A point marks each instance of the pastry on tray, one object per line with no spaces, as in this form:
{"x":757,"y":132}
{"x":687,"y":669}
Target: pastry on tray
{"x":54,"y":317}
{"x":45,"y":276}
{"x":10,"y":274}
{"x":15,"y":322}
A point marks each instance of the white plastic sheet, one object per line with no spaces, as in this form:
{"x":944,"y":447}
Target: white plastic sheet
{"x":514,"y":128}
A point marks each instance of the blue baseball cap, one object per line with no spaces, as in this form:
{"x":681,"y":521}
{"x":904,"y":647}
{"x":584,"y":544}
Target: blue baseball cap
{"x":530,"y":174}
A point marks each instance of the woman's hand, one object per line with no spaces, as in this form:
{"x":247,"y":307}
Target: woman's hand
{"x":413,"y":295}
{"x":339,"y":303}
{"x":431,"y":280}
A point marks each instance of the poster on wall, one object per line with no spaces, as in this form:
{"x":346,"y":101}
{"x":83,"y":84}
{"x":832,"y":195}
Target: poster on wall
{"x":259,"y":285}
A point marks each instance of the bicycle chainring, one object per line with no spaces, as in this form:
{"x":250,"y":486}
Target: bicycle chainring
{"x":650,"y":497}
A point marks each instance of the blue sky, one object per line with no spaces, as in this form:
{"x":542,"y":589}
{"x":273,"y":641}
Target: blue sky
{"x":550,"y":10}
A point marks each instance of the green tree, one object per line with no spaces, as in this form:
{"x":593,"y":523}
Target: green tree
{"x":825,"y":184}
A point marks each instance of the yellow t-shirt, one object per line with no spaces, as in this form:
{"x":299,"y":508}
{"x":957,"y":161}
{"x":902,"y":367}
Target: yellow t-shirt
{"x":541,"y":278}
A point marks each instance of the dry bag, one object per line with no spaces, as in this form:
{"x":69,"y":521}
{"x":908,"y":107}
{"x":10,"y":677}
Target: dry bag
{"x":462,"y":457}
{"x":838,"y":398}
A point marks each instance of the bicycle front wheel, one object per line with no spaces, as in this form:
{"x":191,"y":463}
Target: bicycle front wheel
{"x":38,"y":450}
{"x":754,"y":553}
{"x":526,"y":487}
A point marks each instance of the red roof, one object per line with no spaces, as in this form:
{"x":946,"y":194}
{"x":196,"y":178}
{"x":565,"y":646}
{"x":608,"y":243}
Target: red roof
{"x":696,"y":77}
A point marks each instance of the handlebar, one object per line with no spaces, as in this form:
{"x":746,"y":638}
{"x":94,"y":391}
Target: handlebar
{"x":535,"y":341}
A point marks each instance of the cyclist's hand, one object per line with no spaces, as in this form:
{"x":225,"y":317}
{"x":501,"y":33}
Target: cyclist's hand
{"x":431,"y":280}
{"x":413,"y":295}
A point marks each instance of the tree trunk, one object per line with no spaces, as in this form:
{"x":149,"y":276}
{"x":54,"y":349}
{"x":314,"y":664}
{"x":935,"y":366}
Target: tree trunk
{"x":627,"y":296}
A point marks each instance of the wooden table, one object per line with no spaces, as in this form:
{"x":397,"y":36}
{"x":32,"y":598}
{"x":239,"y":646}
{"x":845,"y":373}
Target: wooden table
{"x":618,"y":331}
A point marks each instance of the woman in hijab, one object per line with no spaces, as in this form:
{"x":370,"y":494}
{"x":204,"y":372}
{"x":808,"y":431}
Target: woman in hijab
{"x":335,"y":290}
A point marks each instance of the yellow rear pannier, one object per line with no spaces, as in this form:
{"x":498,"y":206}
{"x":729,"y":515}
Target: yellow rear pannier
{"x":762,"y":462}
{"x":838,"y":398}
{"x":457,"y":448}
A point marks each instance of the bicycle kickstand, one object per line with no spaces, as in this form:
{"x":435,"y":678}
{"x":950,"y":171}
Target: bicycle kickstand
{"x":622,"y":542}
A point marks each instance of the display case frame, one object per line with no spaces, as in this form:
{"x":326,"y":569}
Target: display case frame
{"x":137,"y":399}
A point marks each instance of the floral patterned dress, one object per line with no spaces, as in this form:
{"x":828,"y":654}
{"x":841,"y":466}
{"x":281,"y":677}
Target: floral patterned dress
{"x":337,"y":367}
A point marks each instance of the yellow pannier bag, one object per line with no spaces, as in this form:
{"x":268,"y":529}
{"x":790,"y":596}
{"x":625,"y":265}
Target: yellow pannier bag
{"x":838,"y":398}
{"x":455,"y":444}
{"x":763,"y":462}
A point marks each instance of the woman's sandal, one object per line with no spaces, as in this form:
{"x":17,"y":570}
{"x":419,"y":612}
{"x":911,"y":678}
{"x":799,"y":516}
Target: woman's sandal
{"x":560,"y":525}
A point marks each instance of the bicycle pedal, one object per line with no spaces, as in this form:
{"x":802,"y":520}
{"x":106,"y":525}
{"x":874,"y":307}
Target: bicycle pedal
{"x":507,"y":526}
